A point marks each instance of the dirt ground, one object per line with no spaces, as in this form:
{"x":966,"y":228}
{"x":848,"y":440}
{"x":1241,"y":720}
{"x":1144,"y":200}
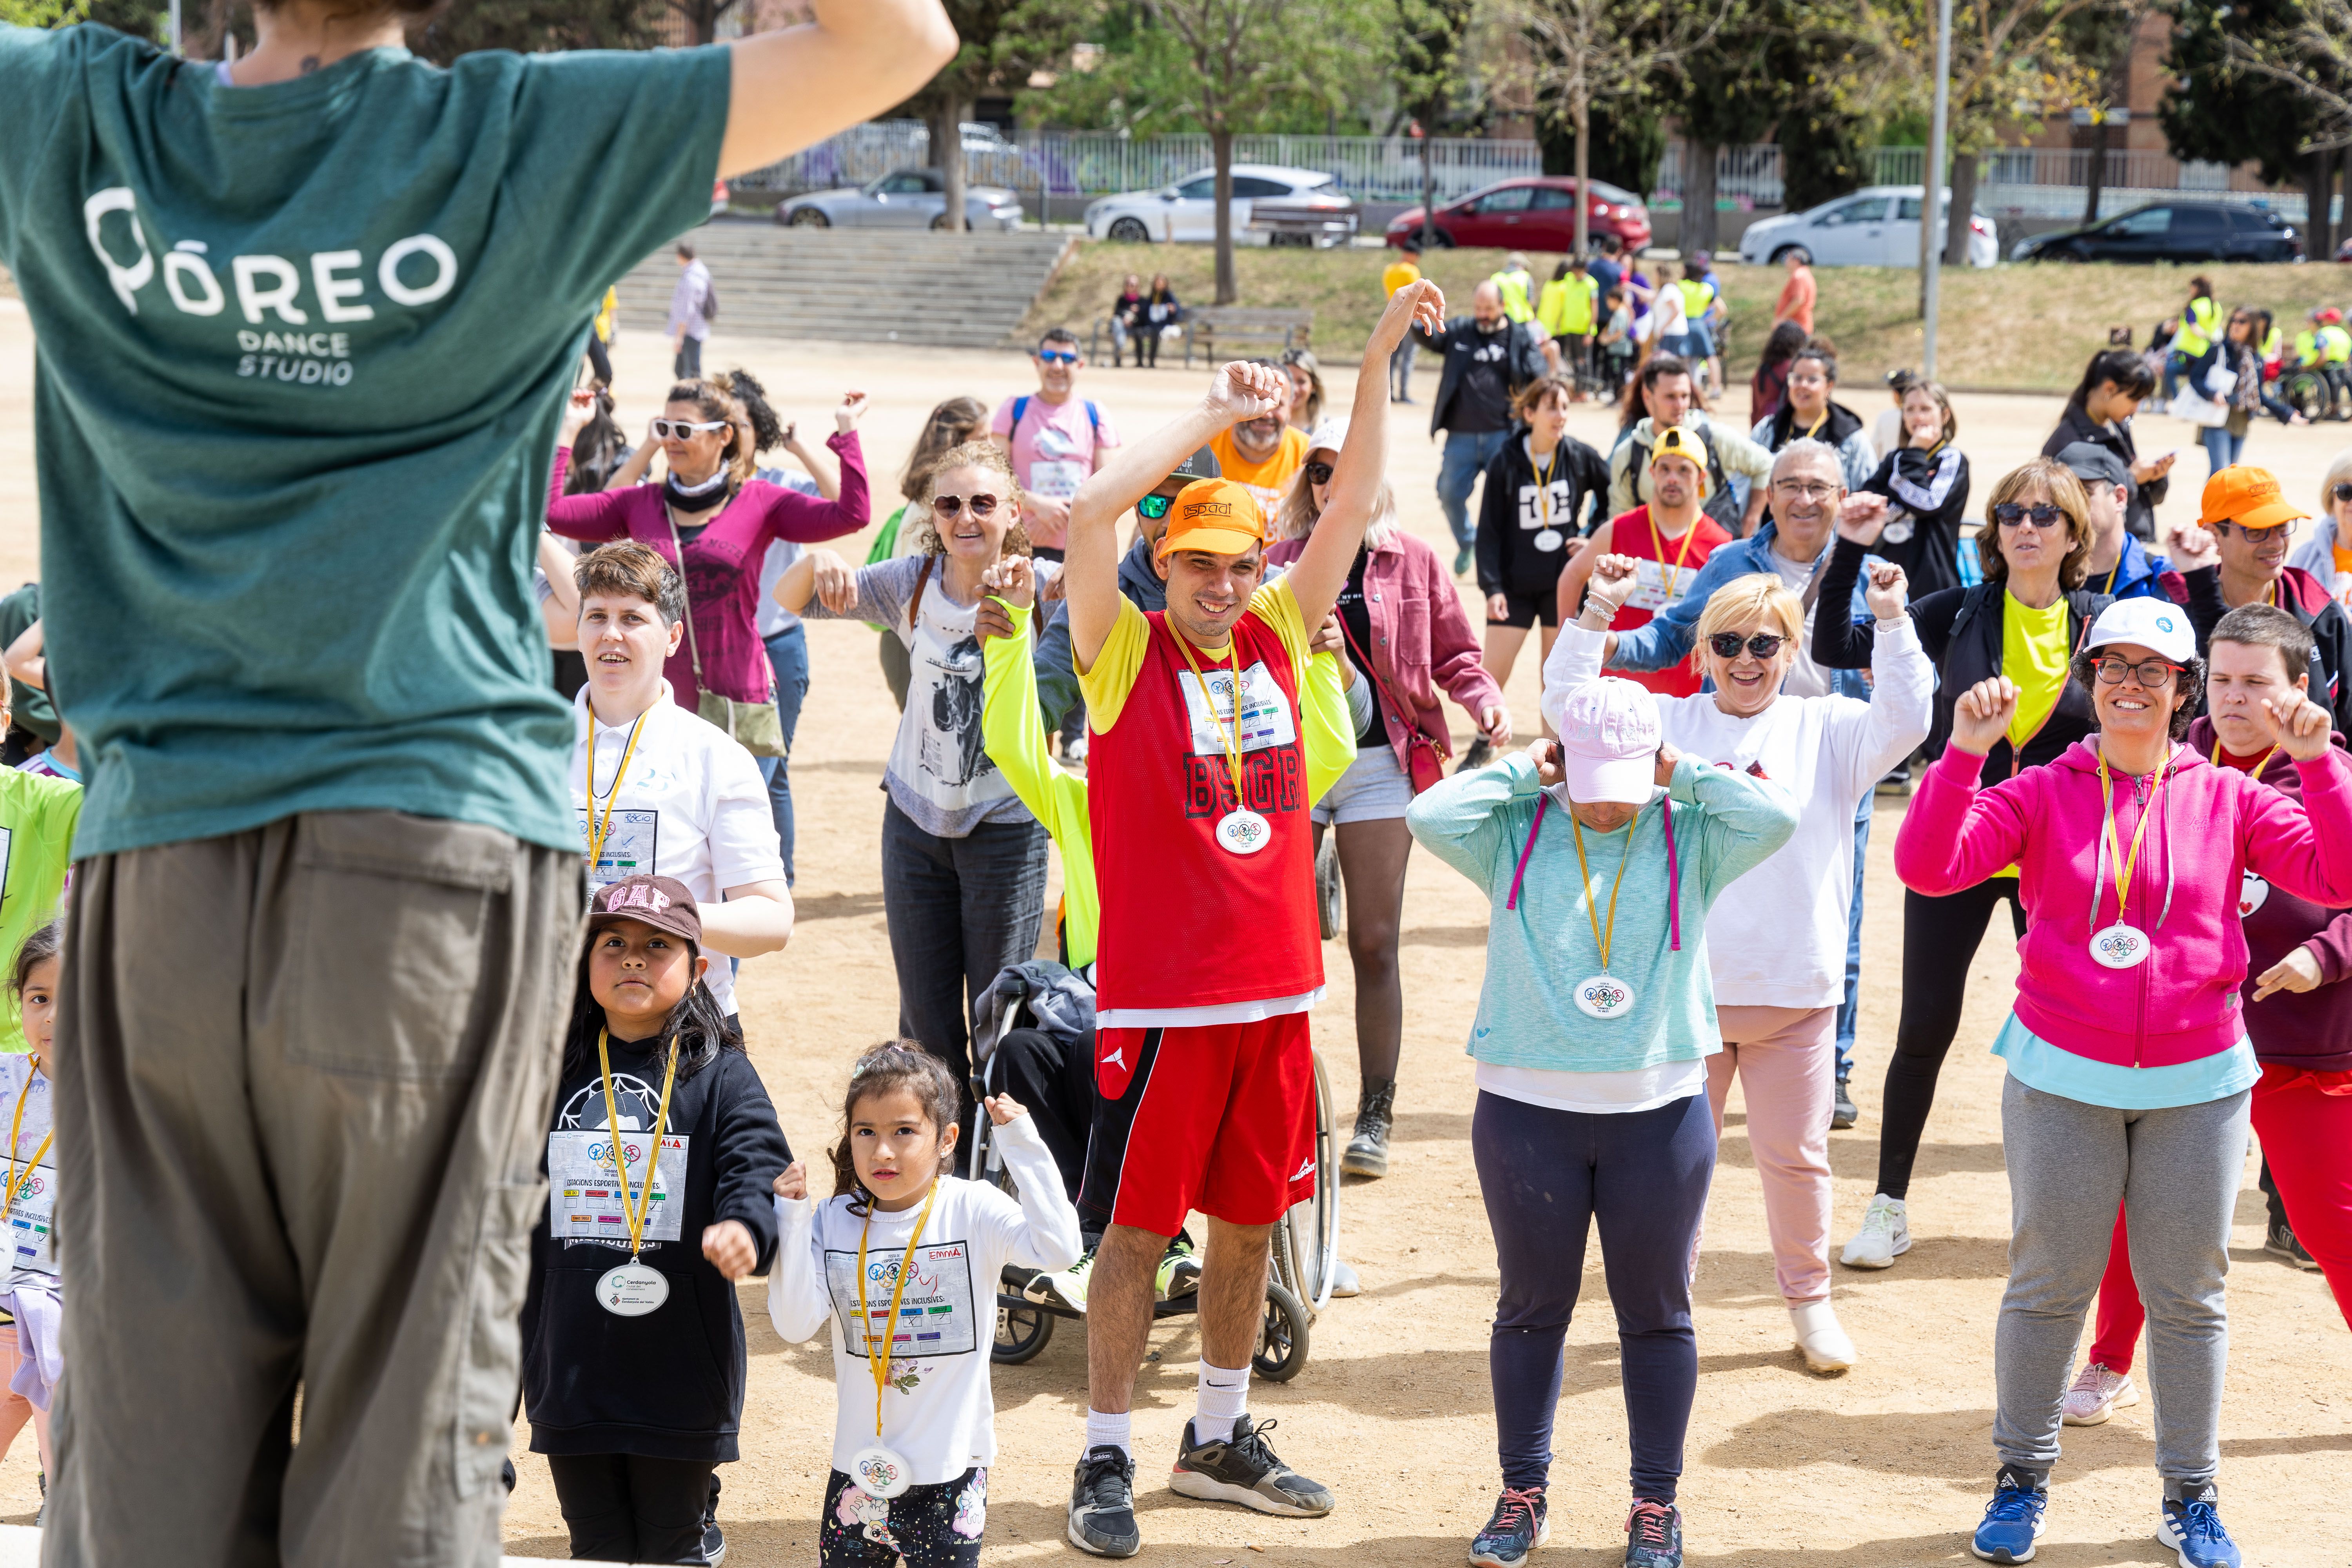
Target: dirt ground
{"x":1888,"y":1465}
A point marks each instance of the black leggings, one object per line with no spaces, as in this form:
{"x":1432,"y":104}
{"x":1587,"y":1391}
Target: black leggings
{"x":1939,"y":941}
{"x":624,"y":1508}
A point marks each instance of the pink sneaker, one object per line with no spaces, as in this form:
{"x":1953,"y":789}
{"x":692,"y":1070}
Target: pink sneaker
{"x":2097,"y":1394}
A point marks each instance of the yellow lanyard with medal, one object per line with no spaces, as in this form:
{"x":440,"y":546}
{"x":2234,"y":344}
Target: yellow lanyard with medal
{"x":1240,"y":831}
{"x":633,"y":1289}
{"x":2121,"y":945}
{"x":878,"y":1469}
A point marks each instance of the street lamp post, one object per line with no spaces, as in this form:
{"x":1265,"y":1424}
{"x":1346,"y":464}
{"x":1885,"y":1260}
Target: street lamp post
{"x":1931,"y":190}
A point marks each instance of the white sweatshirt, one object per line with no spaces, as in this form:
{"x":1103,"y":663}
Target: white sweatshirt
{"x":936,"y":1409}
{"x":1777,"y":936}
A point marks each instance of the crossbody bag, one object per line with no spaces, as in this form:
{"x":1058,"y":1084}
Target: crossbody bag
{"x":1423,"y":760}
{"x":754,"y":726}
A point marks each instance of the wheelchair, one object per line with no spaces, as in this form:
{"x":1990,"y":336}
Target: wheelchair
{"x":2317,"y":392}
{"x":1302,"y":1265}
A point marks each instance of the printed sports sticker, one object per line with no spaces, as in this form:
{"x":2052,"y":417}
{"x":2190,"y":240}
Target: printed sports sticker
{"x":584,"y":1200}
{"x":32,"y":1246}
{"x":1267,"y":718}
{"x":935,"y":1315}
{"x":629,"y":845}
{"x":2253,"y":892}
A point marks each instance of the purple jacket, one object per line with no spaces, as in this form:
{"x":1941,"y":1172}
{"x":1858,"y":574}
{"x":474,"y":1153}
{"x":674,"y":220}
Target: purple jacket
{"x":2307,"y":1029}
{"x":722,"y":562}
{"x":1421,"y":638}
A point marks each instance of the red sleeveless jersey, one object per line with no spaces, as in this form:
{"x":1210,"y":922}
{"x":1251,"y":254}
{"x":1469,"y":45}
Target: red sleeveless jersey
{"x":1663,"y":572}
{"x":1186,"y":922}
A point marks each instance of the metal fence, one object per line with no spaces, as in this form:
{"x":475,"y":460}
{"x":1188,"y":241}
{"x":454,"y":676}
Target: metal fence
{"x":1745,"y":178}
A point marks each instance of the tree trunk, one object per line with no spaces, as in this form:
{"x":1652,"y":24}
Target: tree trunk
{"x":1964,"y":206}
{"x":1583,"y":110}
{"x":2318,"y":232}
{"x":1221,"y":146}
{"x":2096,"y":181}
{"x":1698,"y":197}
{"x":952,"y":110}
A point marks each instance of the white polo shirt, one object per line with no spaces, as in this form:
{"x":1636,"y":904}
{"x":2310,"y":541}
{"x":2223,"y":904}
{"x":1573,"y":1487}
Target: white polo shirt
{"x":691,"y":805}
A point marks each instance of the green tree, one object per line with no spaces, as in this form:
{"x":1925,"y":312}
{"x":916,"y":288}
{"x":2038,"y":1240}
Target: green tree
{"x":43,"y":13}
{"x":1002,"y":42}
{"x":1432,"y":42}
{"x":1626,"y":147}
{"x":2264,"y":82}
{"x":1724,"y":94}
{"x":529,"y":25}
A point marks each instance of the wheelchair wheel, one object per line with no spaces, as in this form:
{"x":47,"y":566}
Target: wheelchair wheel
{"x":1307,"y":1242}
{"x":1021,"y":1333}
{"x":2307,"y":393}
{"x":1281,"y":1336}
{"x":2340,"y":407}
{"x":1327,"y":885}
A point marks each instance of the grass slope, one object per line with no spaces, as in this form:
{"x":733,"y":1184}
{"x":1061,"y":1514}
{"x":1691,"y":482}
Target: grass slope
{"x":2021,"y":327}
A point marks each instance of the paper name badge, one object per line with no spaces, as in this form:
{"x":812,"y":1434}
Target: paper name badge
{"x":1267,"y":719}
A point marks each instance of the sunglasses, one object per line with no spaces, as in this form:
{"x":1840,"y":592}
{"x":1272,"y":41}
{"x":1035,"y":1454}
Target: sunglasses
{"x":1727,"y":645}
{"x":1057,"y":357}
{"x":2342,"y":492}
{"x":1154,"y":507}
{"x":1319,"y":473}
{"x":949,"y":506}
{"x":685,"y":429}
{"x":2009,"y":514}
{"x":2151,"y":673}
{"x":2260,"y":535}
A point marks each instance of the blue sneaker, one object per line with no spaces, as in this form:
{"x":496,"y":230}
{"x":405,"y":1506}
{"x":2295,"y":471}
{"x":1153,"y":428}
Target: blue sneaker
{"x":2193,"y":1527}
{"x":2013,"y":1521}
{"x":1520,"y":1523}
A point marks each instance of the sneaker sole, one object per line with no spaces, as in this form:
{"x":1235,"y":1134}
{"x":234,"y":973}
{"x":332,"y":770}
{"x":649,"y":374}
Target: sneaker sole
{"x":1091,"y":1549}
{"x":2040,"y":1525}
{"x":1824,"y":1363}
{"x":1208,"y":1489}
{"x":2283,"y":1255}
{"x":2096,"y":1418}
{"x":1901,"y":1248}
{"x":1492,"y":1560}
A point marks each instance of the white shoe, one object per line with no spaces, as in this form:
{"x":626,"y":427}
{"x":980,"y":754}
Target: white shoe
{"x":1885,"y":1236}
{"x":1343,"y":1278}
{"x":1819,"y":1335}
{"x":2097,"y":1394}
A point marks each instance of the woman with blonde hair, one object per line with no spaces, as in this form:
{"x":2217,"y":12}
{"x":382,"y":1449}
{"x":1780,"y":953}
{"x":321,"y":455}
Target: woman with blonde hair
{"x":949,"y":426}
{"x":1306,"y":372}
{"x":2326,"y":551}
{"x":1777,"y":936}
{"x":2023,"y":623}
{"x":1403,"y":626}
{"x":963,"y":861}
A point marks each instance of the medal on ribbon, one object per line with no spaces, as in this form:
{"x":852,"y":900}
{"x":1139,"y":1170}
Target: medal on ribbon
{"x":1240,"y":831}
{"x":878,"y":1467}
{"x":2121,"y":945}
{"x":1603,"y":995}
{"x":632,"y":1291}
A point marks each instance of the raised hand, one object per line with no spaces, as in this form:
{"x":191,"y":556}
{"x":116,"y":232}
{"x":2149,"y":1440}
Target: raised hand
{"x":1862,"y":518}
{"x":1610,"y":584}
{"x":577,"y":413}
{"x":1981,"y":717}
{"x":730,"y":1249}
{"x":1244,"y":391}
{"x":1328,"y":637}
{"x":1418,"y":304}
{"x":1888,"y":591}
{"x":837,"y":583}
{"x":852,"y":408}
{"x":2302,"y":727}
{"x":1664,"y":775}
{"x":1545,"y":755}
{"x":1012,"y":578}
{"x":1003,"y":1108}
{"x":792,"y":1181}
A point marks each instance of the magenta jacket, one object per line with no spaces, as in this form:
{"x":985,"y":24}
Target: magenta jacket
{"x":1421,"y":638}
{"x":2216,"y":824}
{"x":722,"y":562}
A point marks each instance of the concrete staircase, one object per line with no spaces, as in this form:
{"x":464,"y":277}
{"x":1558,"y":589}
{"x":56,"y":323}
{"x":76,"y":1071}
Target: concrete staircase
{"x":968,"y":290}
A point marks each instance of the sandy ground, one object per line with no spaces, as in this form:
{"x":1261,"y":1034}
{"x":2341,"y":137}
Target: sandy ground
{"x":1888,"y":1465}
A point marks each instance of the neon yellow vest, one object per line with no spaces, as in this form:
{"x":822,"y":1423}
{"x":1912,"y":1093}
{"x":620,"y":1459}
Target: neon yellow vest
{"x":1565,"y":308}
{"x":1697,"y":298}
{"x":2335,"y":345}
{"x":2200,"y":323}
{"x":1514,"y":287}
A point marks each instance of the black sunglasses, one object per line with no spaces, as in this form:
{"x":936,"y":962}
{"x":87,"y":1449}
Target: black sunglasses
{"x":947,"y":506}
{"x":1319,"y":473}
{"x":1727,"y":645}
{"x":2342,"y":492}
{"x":2009,"y":514}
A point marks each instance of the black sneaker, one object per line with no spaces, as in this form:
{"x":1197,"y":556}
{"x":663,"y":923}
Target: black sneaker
{"x":1243,"y":1469}
{"x":714,"y":1540}
{"x":1102,"y":1505}
{"x":1844,"y":1112}
{"x":1480,"y":753}
{"x":2280,"y":1242}
{"x":1519,"y":1524}
{"x":1368,"y":1149}
{"x":1653,"y":1535}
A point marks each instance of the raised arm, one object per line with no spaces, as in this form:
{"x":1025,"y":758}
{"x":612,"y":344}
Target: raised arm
{"x":25,"y":659}
{"x":1955,"y":834}
{"x":2307,"y":849}
{"x":796,"y":86}
{"x":807,"y":519}
{"x":1841,"y":642}
{"x":1321,"y":570}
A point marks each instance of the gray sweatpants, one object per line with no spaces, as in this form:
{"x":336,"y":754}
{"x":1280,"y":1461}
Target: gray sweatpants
{"x":2176,"y":1172}
{"x":304,"y":1075}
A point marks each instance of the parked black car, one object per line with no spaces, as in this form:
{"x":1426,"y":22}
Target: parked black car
{"x":2172,"y":231}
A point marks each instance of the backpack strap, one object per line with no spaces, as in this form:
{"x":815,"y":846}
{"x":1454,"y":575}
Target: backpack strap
{"x":1020,"y":407}
{"x":1093,"y":416}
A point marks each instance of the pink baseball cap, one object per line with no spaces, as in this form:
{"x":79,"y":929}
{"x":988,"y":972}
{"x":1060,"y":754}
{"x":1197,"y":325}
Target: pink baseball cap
{"x":1608,"y":741}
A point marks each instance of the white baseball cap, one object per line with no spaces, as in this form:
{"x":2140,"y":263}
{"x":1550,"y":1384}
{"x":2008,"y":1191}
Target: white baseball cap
{"x":1608,"y":741}
{"x":2157,"y":624}
{"x":1330,"y":435}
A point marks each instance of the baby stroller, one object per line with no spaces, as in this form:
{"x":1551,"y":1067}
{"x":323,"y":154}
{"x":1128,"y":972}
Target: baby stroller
{"x":1305,"y":1244}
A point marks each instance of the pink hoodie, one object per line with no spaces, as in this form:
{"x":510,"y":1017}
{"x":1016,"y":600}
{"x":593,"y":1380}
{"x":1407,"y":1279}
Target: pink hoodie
{"x":2217,"y":823}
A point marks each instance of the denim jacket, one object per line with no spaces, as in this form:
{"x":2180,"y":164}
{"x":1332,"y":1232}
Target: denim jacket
{"x":1666,"y":639}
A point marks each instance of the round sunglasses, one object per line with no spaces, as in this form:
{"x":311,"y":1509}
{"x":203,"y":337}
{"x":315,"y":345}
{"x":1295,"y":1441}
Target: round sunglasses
{"x":1727,"y":645}
{"x":949,"y":506}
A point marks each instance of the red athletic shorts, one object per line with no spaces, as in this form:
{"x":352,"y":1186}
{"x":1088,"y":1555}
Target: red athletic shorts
{"x":1220,"y":1118}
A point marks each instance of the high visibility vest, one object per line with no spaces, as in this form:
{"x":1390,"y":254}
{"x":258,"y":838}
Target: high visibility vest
{"x":2335,"y":345}
{"x":2200,"y":323}
{"x":1515,"y":287}
{"x":2270,"y":350}
{"x":2306,"y":348}
{"x":1697,"y":298}
{"x":1566,"y":306}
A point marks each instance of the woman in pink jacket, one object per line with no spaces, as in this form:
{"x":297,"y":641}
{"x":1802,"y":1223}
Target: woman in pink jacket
{"x":2130,"y":1066}
{"x":1404,"y":630}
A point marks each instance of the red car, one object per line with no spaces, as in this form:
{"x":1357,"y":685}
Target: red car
{"x":1536,"y":212}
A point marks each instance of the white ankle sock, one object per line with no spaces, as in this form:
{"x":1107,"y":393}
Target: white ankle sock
{"x":1110,"y":1432}
{"x":1222,"y":1399}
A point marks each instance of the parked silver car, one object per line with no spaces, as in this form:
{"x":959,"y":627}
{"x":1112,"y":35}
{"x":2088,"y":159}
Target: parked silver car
{"x":903,"y":198}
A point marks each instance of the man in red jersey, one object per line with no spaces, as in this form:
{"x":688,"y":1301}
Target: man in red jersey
{"x":1210,"y":956}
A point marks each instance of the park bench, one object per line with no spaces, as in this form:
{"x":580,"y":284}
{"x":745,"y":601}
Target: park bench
{"x":1230,"y":333}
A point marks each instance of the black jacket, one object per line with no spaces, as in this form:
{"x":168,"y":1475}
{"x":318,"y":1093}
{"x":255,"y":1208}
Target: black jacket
{"x":1836,"y":431}
{"x":1510,"y":519}
{"x":1522,"y":361}
{"x":1930,"y":494}
{"x":2306,"y":598}
{"x":1960,"y":629}
{"x":669,"y":1386}
{"x":2074,"y":425}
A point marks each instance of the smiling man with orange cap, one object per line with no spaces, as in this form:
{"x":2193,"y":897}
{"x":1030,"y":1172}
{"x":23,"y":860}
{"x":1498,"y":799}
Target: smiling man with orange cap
{"x":1209,"y":955}
{"x":2249,"y":524}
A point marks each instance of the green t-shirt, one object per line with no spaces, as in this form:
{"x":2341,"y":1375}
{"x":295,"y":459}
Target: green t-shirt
{"x":303,"y":355}
{"x":37,"y":844}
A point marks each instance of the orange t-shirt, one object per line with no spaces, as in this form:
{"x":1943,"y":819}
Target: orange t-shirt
{"x":1796,"y":297}
{"x":1265,"y":480}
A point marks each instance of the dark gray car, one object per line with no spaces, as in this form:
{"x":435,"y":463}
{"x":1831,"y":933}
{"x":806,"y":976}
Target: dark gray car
{"x":2172,"y":231}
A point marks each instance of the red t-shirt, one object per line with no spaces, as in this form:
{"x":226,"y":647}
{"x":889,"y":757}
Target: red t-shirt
{"x":1662,"y":573}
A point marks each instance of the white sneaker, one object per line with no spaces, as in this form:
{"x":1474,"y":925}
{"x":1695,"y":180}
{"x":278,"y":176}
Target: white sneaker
{"x":2097,"y":1394}
{"x":1343,"y":1278}
{"x":1885,"y":1236}
{"x":1819,"y":1335}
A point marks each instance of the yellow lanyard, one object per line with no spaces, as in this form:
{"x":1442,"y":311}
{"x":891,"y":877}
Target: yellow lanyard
{"x":1603,"y":939}
{"x":634,"y":1215}
{"x":1543,"y":482}
{"x":2258,"y":766}
{"x":599,"y":831}
{"x":2107,"y":825}
{"x":1670,"y":573}
{"x":1231,"y":736}
{"x":16,"y":1188}
{"x":1816,"y":431}
{"x":880,"y":1364}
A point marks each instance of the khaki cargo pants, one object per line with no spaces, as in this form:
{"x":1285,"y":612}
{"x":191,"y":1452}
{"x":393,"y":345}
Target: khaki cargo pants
{"x":303,"y":1077}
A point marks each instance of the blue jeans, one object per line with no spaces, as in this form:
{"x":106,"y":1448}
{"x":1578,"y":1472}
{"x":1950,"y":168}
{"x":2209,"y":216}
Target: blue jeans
{"x":1466,"y":456}
{"x":788,"y":657}
{"x":2222,"y":448}
{"x":1851,"y":1009}
{"x":1547,"y":1176}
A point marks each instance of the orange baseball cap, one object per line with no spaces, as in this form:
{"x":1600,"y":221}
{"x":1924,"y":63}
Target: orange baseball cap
{"x":2248,"y":496}
{"x":1219,"y":516}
